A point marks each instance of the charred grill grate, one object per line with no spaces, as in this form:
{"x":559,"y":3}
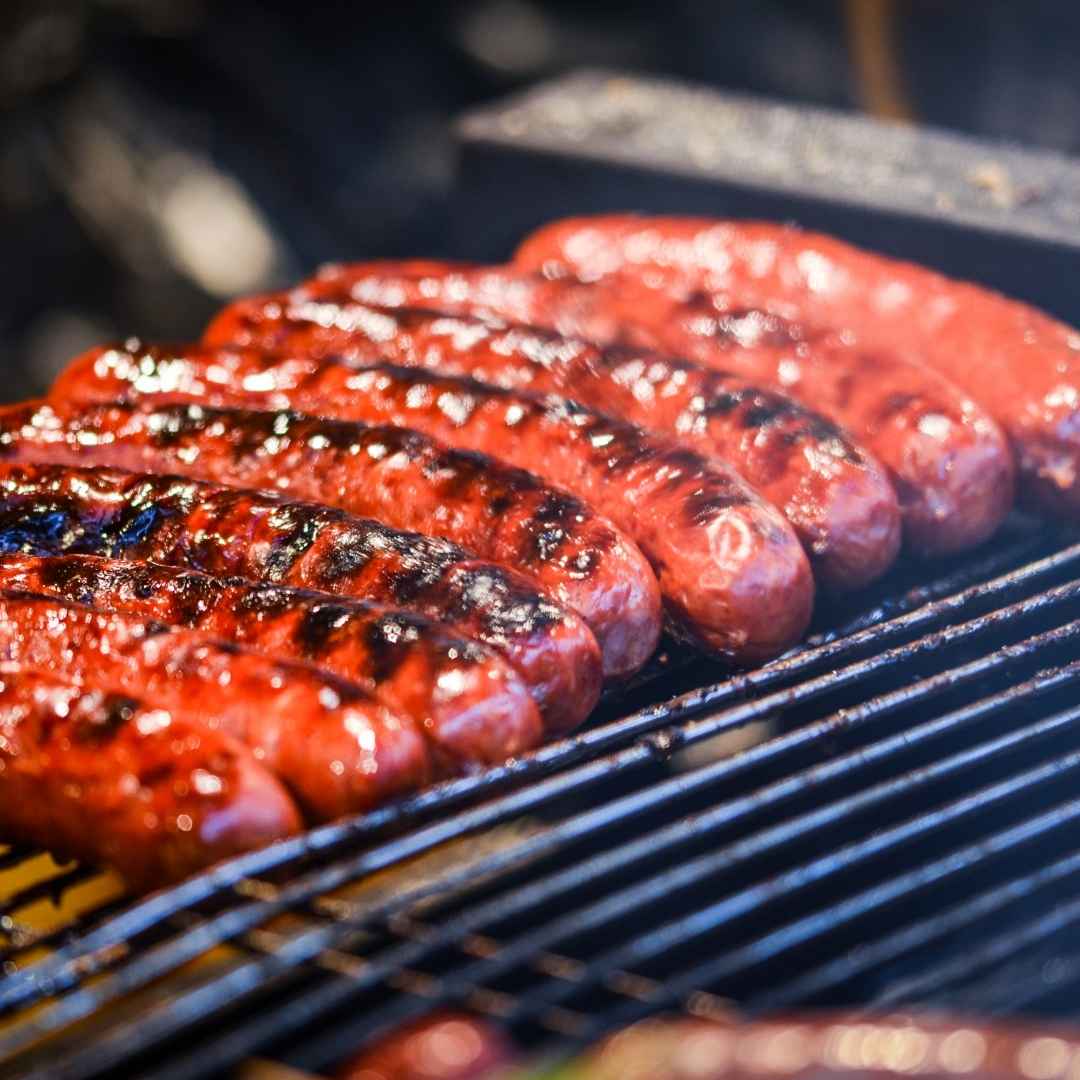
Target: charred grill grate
{"x":886,"y":815}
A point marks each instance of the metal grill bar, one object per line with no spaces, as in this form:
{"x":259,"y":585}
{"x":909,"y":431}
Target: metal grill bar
{"x":464,"y":985}
{"x":661,"y":940}
{"x":919,"y":935}
{"x":805,"y":930}
{"x":156,"y":962}
{"x":82,"y":956}
{"x":990,"y":952}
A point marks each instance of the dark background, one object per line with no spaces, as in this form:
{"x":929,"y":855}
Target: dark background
{"x":159,"y":156}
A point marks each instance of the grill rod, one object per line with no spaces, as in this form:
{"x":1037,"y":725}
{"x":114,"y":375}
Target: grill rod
{"x":333,"y":995}
{"x":97,"y":950}
{"x":231,"y":924}
{"x":964,"y":760}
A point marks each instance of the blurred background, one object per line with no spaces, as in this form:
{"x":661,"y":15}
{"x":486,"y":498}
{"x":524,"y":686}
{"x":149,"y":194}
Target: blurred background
{"x":158,"y":156}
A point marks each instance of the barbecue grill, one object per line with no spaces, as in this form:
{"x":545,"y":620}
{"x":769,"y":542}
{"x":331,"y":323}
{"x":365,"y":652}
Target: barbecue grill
{"x":886,"y":816}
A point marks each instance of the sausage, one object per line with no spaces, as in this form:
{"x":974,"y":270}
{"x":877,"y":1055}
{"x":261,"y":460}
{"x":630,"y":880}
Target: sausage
{"x":53,"y":509}
{"x":732,"y":574}
{"x":335,"y":747}
{"x":837,"y":498}
{"x":827,"y":1044}
{"x":1020,"y":364}
{"x":400,"y":477}
{"x":446,"y":1046}
{"x":472,"y":704}
{"x":949,"y":461}
{"x":110,"y":780}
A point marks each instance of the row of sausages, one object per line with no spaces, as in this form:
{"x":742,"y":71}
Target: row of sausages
{"x":461,"y":1046}
{"x":407,"y":519}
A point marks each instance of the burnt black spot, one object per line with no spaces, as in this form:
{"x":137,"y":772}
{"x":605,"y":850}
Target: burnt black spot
{"x":263,"y":600}
{"x":71,"y":578}
{"x":317,"y":626}
{"x":302,"y":532}
{"x":36,"y":529}
{"x":498,"y":607}
{"x":389,"y":640}
{"x":724,"y":402}
{"x":135,"y":525}
{"x":703,"y":505}
{"x":103,"y":722}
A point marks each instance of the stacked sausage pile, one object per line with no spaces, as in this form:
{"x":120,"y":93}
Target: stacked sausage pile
{"x":406,"y":519}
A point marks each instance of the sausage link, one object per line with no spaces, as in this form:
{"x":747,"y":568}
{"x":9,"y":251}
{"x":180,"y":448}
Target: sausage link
{"x":732,"y":574}
{"x":1020,"y":364}
{"x":53,"y":509}
{"x":444,"y":1046}
{"x":949,"y":461}
{"x":110,"y":780}
{"x":837,"y":498}
{"x":335,"y":747}
{"x":473,"y":705}
{"x":400,"y":477}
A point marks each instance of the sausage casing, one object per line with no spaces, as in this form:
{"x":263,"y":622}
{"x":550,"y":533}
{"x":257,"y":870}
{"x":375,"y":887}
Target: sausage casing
{"x":109,"y":779}
{"x":837,"y":497}
{"x":474,"y":707}
{"x":55,"y":509}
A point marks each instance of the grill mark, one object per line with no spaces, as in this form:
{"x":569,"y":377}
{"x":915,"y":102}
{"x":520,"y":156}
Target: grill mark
{"x":289,"y":547}
{"x":470,"y":592}
{"x":103,"y":722}
{"x":317,"y":625}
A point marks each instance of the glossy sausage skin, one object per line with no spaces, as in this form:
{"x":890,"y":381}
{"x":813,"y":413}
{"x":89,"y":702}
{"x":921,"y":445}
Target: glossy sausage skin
{"x":335,"y":747}
{"x":1021,"y":365}
{"x":949,"y":462}
{"x":447,"y":1046}
{"x":111,"y":780}
{"x":837,"y":497}
{"x":732,"y":573}
{"x":400,"y":477}
{"x":54,"y":509}
{"x":466,"y":698}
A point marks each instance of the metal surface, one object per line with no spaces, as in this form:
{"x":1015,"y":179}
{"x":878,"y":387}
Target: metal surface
{"x":907,"y":781}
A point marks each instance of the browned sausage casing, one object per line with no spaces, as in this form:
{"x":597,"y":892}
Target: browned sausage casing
{"x":732,"y":573}
{"x":949,"y":461}
{"x":447,"y":1046}
{"x":1016,"y":361}
{"x":836,"y":496}
{"x":111,"y":780}
{"x":335,"y":747}
{"x":474,"y":707}
{"x":53,"y":509}
{"x":400,"y":477}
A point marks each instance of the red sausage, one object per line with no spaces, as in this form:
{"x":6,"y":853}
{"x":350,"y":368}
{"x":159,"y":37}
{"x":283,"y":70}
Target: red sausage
{"x":949,"y":461}
{"x":732,"y":573}
{"x":1021,"y":365}
{"x":448,"y":1046}
{"x":468,"y":699}
{"x":836,"y":497}
{"x":110,"y":780}
{"x":334,"y":747}
{"x":400,"y":477}
{"x":53,"y":509}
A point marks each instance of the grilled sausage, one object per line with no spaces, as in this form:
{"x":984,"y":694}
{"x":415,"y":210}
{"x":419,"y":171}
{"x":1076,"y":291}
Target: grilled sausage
{"x":110,"y":780}
{"x":52,"y":509}
{"x":471,"y":703}
{"x":1021,"y":365}
{"x":949,"y":461}
{"x":732,"y":573}
{"x":837,"y":498}
{"x":447,"y":1046}
{"x":400,"y":477}
{"x":331,"y":744}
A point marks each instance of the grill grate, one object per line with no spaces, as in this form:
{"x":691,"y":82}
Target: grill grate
{"x":883,"y":815}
